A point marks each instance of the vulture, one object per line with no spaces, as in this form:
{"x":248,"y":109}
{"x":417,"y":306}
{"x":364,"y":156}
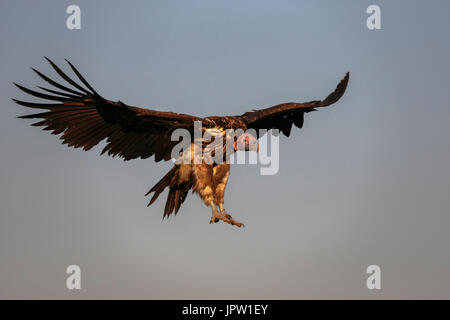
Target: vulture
{"x":84,"y":118}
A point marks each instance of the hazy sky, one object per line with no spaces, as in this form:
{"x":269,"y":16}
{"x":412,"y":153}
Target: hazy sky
{"x":364,"y":182}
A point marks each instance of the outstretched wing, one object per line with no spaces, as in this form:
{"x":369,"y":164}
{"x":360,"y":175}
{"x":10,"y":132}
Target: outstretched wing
{"x":282,"y":116}
{"x":85,"y":118}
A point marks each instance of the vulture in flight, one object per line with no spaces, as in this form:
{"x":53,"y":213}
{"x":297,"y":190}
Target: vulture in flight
{"x":84,"y":118}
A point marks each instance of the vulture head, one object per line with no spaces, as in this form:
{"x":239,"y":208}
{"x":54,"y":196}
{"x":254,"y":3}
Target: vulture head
{"x":246,"y":142}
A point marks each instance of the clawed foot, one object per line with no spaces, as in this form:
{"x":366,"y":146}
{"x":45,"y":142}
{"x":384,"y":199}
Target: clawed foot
{"x":225,"y":217}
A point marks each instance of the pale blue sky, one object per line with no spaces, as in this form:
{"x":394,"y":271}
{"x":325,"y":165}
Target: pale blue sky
{"x":364,"y":182}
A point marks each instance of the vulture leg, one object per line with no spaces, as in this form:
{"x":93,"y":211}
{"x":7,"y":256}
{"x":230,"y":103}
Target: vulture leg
{"x":222,"y":209}
{"x":220,"y":177}
{"x":221,"y":173}
{"x":204,"y":185}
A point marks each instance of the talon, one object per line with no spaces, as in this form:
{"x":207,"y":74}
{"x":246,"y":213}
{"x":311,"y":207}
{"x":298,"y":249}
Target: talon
{"x":233,"y":222}
{"x":224,"y":216}
{"x":213,"y":220}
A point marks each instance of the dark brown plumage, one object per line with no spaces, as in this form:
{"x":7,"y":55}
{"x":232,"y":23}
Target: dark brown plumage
{"x":84,"y":118}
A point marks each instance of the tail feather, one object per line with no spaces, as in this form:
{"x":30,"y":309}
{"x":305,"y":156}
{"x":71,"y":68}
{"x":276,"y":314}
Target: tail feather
{"x":177,"y":192}
{"x":161,"y":185}
{"x":182,"y":196}
{"x":177,"y":195}
{"x":170,"y":203}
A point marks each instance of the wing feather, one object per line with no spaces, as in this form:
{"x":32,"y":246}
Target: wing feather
{"x":85,"y":118}
{"x":282,"y":116}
